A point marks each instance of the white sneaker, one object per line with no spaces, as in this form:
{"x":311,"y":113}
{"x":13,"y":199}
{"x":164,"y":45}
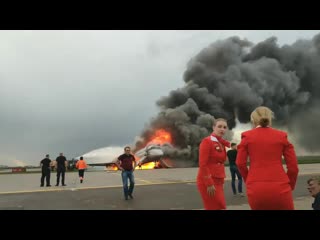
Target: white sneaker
{"x":241,"y":194}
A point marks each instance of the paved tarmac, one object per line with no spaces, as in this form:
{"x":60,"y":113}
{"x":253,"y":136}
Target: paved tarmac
{"x":156,"y":189}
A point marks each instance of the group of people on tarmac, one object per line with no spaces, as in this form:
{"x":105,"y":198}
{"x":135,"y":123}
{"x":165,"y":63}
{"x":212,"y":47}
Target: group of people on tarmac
{"x":61,"y":165}
{"x":126,"y":163}
{"x":268,"y":185}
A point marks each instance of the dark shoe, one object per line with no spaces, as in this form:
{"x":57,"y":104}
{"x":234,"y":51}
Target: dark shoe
{"x":81,"y":181}
{"x":130,"y":195}
{"x":48,"y":185}
{"x":57,"y":185}
{"x":41,"y":185}
{"x":64,"y":185}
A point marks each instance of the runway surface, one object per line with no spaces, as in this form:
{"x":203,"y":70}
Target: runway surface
{"x":157,"y":189}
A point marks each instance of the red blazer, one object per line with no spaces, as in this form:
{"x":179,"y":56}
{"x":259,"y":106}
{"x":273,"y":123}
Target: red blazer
{"x":265,"y":148}
{"x":212,"y":155}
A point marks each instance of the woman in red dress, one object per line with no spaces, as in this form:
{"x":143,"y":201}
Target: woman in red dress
{"x":269,"y":186}
{"x":211,"y":174}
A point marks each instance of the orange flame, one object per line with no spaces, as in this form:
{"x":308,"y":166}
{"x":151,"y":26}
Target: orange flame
{"x":112,"y":168}
{"x":149,"y":165}
{"x":160,"y":137}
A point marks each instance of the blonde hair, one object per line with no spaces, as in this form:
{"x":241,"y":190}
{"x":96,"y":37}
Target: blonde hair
{"x":262,"y":116}
{"x":218,"y":120}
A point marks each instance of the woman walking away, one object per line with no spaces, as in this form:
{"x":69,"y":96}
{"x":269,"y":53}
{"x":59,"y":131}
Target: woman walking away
{"x":269,"y":186}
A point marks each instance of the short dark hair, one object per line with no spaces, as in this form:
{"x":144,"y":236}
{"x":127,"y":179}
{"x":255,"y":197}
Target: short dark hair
{"x":126,"y":147}
{"x":47,"y":155}
{"x":233,"y":144}
{"x":81,"y":158}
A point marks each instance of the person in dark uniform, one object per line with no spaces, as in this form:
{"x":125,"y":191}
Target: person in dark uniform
{"x":61,"y":165}
{"x":45,"y":169}
{"x":232,"y":156}
{"x":127,"y":163}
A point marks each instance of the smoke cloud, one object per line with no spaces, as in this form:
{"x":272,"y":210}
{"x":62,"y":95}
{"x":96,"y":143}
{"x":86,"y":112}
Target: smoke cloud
{"x":229,"y":79}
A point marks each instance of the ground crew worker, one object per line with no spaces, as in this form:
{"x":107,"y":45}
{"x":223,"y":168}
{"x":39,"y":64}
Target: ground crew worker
{"x":62,"y":164}
{"x":81,"y":165}
{"x":45,"y":169}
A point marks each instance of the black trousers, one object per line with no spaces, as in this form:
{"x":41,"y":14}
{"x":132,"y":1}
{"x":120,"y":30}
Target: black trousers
{"x":81,"y":173}
{"x":45,"y":175}
{"x":60,"y":171}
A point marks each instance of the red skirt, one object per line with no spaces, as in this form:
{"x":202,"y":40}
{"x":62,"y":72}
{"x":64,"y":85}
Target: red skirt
{"x":216,"y":202}
{"x":269,"y":196}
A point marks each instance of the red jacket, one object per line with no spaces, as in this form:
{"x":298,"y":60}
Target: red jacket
{"x":212,"y":155}
{"x":265,"y":148}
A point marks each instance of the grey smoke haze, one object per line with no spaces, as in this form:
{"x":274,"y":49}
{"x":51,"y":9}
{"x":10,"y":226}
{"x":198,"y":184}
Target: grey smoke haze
{"x":77,"y":91}
{"x":230,"y":78}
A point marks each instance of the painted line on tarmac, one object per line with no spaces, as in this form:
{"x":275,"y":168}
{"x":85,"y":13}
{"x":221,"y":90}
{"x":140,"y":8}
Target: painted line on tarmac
{"x":138,"y":184}
{"x":33,"y":191}
{"x":142,"y":180}
{"x":300,"y":174}
{"x":311,"y":173}
{"x":115,"y":186}
{"x":86,"y":188}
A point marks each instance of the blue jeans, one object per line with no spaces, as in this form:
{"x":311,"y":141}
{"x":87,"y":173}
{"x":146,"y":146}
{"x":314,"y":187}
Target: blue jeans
{"x":125,"y":176}
{"x":234,"y":171}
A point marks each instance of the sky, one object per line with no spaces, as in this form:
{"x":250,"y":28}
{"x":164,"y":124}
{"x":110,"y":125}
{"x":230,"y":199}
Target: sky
{"x":76,"y":91}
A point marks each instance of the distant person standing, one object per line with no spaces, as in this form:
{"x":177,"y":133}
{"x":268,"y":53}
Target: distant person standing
{"x":127,"y":163}
{"x":45,"y":169}
{"x":232,"y":156}
{"x":81,"y":165}
{"x":61,"y":166}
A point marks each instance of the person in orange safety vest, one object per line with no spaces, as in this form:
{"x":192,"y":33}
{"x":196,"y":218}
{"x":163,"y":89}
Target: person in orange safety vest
{"x":81,"y":165}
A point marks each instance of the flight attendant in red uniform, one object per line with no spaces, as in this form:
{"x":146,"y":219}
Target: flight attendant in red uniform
{"x":211,"y":174}
{"x":269,"y":186}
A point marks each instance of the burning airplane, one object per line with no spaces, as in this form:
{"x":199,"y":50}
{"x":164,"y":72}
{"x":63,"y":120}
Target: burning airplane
{"x":152,"y":153}
{"x":149,"y":157}
{"x":154,"y":150}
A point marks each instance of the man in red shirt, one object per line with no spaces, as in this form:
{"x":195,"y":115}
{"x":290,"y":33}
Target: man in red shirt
{"x":127,"y":163}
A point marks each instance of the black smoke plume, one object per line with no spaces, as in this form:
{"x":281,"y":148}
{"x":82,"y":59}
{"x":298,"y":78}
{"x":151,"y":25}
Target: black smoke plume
{"x":229,"y":79}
